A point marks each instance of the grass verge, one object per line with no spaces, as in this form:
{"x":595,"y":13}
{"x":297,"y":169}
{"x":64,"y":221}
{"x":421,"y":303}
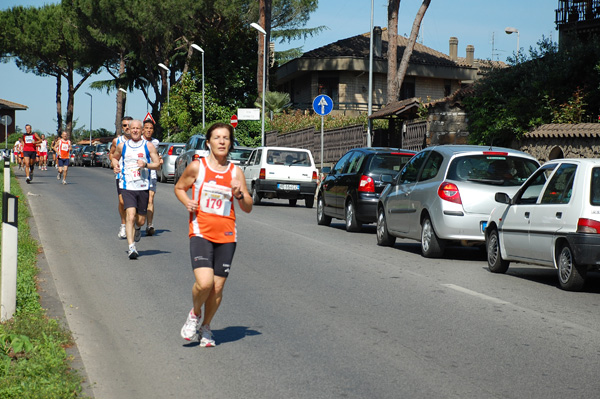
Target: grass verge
{"x":33,"y":359}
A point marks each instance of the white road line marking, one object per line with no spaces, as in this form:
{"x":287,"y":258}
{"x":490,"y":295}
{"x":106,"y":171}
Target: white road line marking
{"x":476,"y":294}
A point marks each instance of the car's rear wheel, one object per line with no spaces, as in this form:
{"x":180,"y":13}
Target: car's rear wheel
{"x":383,"y":235}
{"x":352,"y":223}
{"x":309,"y":201}
{"x":494,"y":257}
{"x":431,"y":245}
{"x":293,"y":202}
{"x":571,"y":276}
{"x":322,"y":219}
{"x":255,"y":196}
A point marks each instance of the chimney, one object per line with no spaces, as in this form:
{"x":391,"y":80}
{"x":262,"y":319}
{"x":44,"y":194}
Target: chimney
{"x":470,"y":55}
{"x":377,"y":41}
{"x":453,"y":48}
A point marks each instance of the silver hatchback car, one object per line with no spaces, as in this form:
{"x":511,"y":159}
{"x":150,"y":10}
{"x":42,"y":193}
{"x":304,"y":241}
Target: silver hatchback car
{"x":446,"y":194}
{"x":553,"y":220}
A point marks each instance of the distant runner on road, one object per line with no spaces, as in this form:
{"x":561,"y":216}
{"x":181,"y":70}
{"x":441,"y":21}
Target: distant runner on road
{"x":131,"y":161}
{"x":115,"y":143}
{"x":148,"y":132}
{"x":63,"y":153}
{"x":30,"y":141}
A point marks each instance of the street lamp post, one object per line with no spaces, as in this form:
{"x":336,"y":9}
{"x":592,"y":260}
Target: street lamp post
{"x":509,"y":30}
{"x":143,"y":79}
{"x":195,"y":46}
{"x":261,"y":30}
{"x":163,"y":66}
{"x":370,"y":101}
{"x":122,"y":90}
{"x":91,"y":109}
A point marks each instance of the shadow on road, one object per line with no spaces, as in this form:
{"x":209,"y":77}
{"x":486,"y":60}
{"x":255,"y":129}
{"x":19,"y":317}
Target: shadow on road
{"x":228,"y":334}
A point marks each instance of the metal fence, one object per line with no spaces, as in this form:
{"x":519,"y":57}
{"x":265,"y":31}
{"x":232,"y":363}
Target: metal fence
{"x":336,"y":142}
{"x":413,"y":135}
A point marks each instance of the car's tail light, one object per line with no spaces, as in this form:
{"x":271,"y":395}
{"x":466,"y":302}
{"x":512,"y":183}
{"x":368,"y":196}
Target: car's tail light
{"x":495,"y":153}
{"x":262,"y":174}
{"x":449,"y":192}
{"x":314,"y":176}
{"x":588,"y":226}
{"x":171,"y":150}
{"x":366,"y":184}
{"x":196,"y":157}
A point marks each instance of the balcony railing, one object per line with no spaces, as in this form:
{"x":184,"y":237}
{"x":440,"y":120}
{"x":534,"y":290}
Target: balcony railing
{"x":571,"y":11}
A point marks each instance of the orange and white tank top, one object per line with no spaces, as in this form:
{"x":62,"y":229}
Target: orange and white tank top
{"x":214,"y":218}
{"x":63,"y":148}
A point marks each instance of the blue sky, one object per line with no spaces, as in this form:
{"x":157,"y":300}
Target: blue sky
{"x":480,"y":23}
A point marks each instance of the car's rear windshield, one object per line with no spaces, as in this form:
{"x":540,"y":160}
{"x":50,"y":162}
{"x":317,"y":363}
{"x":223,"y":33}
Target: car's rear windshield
{"x":494,"y":169}
{"x":388,"y":163}
{"x":288,"y":157}
{"x":240,"y":155}
{"x":595,"y":189}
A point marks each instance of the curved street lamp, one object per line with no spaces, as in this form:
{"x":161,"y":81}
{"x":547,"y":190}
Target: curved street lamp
{"x":262,"y":129}
{"x":91,"y":109}
{"x":122,"y":90}
{"x":195,"y":46}
{"x":510,"y":30}
{"x":163,"y":66}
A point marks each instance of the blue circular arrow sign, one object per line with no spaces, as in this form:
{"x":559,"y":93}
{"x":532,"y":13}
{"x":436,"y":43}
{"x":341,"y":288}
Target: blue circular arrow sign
{"x":322,"y":104}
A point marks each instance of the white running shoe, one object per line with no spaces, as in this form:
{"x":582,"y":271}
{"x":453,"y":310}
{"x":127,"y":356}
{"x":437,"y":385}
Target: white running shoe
{"x":58,"y":176}
{"x":138,"y":234}
{"x":133,"y":253}
{"x":64,"y":182}
{"x":206,"y":341}
{"x":122,"y":233}
{"x":189,"y":331}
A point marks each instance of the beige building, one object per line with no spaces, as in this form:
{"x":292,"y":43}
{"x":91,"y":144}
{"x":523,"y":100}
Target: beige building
{"x":341,"y":71}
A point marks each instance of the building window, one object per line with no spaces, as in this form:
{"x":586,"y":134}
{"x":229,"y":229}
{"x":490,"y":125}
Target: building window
{"x":408,"y":88}
{"x":447,"y":87}
{"x":330,"y":87}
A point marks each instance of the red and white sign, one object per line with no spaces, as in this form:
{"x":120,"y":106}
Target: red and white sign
{"x":234,"y":121}
{"x":149,"y":116}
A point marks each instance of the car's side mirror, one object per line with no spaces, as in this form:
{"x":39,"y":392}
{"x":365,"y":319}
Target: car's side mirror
{"x":326,"y":170}
{"x":502,"y":198}
{"x":387,"y":179}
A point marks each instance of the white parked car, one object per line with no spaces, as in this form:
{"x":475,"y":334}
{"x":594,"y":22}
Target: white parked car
{"x":553,"y":220}
{"x":281,"y":172}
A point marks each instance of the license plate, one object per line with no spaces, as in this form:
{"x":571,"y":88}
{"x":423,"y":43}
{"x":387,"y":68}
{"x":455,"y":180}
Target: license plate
{"x":483,"y":226}
{"x":289,"y":187}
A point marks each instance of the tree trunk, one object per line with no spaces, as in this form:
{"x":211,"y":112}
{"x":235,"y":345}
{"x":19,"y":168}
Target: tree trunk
{"x":264,"y":20}
{"x":411,"y":43}
{"x":70,"y":101}
{"x":59,"y":104}
{"x":120,"y":105}
{"x":392,"y":55}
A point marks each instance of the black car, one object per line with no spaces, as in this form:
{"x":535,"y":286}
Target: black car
{"x":85,"y":156}
{"x":351,"y":189}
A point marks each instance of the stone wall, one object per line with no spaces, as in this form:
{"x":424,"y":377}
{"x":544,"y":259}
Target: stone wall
{"x":546,"y":149}
{"x":448,"y":124}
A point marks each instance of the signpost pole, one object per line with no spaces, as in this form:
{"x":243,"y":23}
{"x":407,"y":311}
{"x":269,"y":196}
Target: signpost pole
{"x":322,"y":141}
{"x":322,"y":105}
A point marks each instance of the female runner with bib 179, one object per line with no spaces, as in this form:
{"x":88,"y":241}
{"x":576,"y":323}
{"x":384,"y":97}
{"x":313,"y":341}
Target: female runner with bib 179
{"x":215,"y":184}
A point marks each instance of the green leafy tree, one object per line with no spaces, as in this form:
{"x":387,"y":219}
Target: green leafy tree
{"x":275,"y":102}
{"x":511,"y":101}
{"x":49,"y":41}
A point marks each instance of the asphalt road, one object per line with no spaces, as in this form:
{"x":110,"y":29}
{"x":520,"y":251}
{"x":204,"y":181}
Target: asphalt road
{"x":308,"y":311}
